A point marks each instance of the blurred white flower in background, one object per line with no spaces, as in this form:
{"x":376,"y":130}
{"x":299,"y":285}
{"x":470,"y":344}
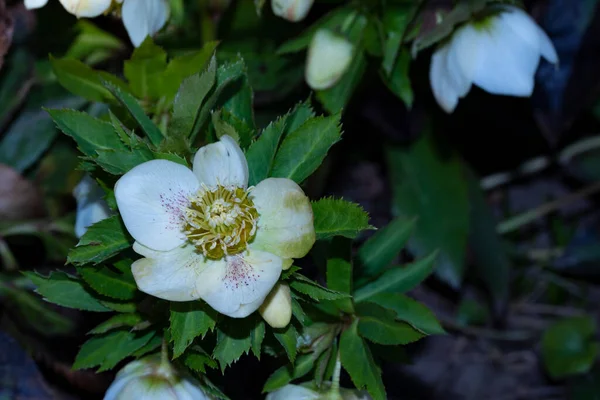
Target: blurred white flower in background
{"x":499,"y":53}
{"x":142,"y":18}
{"x":91,"y":207}
{"x":292,"y":10}
{"x":329,"y":56}
{"x":151,"y":379}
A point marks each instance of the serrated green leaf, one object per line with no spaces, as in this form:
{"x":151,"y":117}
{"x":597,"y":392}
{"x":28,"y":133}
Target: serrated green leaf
{"x":101,"y":241}
{"x":119,"y":306}
{"x":64,"y":290}
{"x":285,"y":374}
{"x":317,"y":292}
{"x":261,"y":153}
{"x":234,"y":338}
{"x":398,"y":279}
{"x":338,"y":217}
{"x":110,"y":283}
{"x":108,"y":350}
{"x":358,"y":361}
{"x":303,"y":150}
{"x":189,"y":99}
{"x":398,"y":82}
{"x":188,"y":321}
{"x":379,"y":325}
{"x":257,"y":337}
{"x":339,"y":271}
{"x":237,"y":98}
{"x":117,"y":321}
{"x":144,"y":70}
{"x":120,"y":161}
{"x":384,"y":246}
{"x":137,"y":112}
{"x":287,"y":337}
{"x":197,"y":360}
{"x":410,"y":311}
{"x":298,"y":312}
{"x":90,"y":133}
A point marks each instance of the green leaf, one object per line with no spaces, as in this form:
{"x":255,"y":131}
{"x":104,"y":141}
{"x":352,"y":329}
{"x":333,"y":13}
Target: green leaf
{"x":257,"y":337}
{"x":117,"y":321}
{"x":154,"y":343}
{"x":338,"y":217}
{"x":64,"y":290}
{"x":358,"y":361}
{"x":317,"y":292}
{"x":384,"y":246}
{"x":101,"y":241}
{"x":93,"y":45}
{"x":379,"y":325}
{"x":108,"y":350}
{"x":120,"y":161}
{"x":287,"y":337}
{"x":109,"y":283}
{"x":91,"y":134}
{"x":569,"y":347}
{"x":145,"y":69}
{"x":189,"y":99}
{"x":82,"y":80}
{"x":410,"y":311}
{"x":398,"y":279}
{"x":234,"y":338}
{"x":119,"y":306}
{"x":188,"y":321}
{"x":197,"y":359}
{"x":261,"y":153}
{"x":137,"y":112}
{"x":237,"y":97}
{"x":337,"y":97}
{"x":399,"y":81}
{"x":287,"y":373}
{"x":303,"y":150}
{"x":432,"y":186}
{"x":339,"y":271}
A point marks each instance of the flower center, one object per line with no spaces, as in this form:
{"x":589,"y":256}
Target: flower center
{"x":220,"y":221}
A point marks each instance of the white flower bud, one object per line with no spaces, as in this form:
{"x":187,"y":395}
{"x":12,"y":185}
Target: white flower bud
{"x":91,"y":207}
{"x":86,"y":8}
{"x":277,"y":307}
{"x":329,"y":56}
{"x":151,"y":379}
{"x":292,"y":10}
{"x":307,"y":392}
{"x":31,"y":4}
{"x":143,"y":18}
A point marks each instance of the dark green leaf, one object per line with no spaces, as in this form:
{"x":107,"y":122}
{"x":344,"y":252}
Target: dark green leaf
{"x":337,"y":97}
{"x":101,"y":241}
{"x":338,"y":217}
{"x":379,"y":325}
{"x":117,"y":321}
{"x":313,"y":289}
{"x":120,"y":161}
{"x":144,"y":70}
{"x":197,"y":359}
{"x":64,"y":290}
{"x":188,"y":321}
{"x":339,"y":271}
{"x":398,"y":279}
{"x":109,"y":283}
{"x":285,"y":374}
{"x":237,"y":98}
{"x":257,"y":337}
{"x":287,"y":337}
{"x":261,"y":153}
{"x":234,"y":338}
{"x":399,"y":81}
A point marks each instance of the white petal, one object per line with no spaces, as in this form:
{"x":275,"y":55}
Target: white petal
{"x":285,"y":222}
{"x":147,"y":388}
{"x":143,"y":18}
{"x":86,"y":8}
{"x":150,"y":198}
{"x":292,"y":10}
{"x":170,"y":275}
{"x":221,"y":163}
{"x":329,"y":56}
{"x":462,"y":59}
{"x":443,"y":91}
{"x":293,"y":392}
{"x":508,"y":63}
{"x":186,"y":390}
{"x":244,"y":279}
{"x":31,"y":4}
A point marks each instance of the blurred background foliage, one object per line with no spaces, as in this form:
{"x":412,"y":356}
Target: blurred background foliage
{"x":507,"y":189}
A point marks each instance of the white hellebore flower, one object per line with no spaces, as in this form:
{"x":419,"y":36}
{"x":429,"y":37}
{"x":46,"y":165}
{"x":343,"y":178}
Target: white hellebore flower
{"x":500,"y":54}
{"x":143,"y":18}
{"x":79,"y":8}
{"x":329,"y":56}
{"x":91,"y":207}
{"x":206,"y":235}
{"x":151,"y":379}
{"x":277,"y":307}
{"x":292,"y":10}
{"x":304,"y":392}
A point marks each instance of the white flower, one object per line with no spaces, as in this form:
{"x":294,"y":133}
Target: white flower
{"x":151,"y":379}
{"x":206,"y":235}
{"x":500,"y":54}
{"x":143,"y":18}
{"x":297,"y":392}
{"x":79,"y":8}
{"x":91,"y":207}
{"x":292,"y":10}
{"x":329,"y":56}
{"x":277,"y":307}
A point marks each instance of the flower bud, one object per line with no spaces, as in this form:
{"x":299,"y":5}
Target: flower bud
{"x":86,"y":8}
{"x":91,"y":207}
{"x":329,"y":56}
{"x":277,"y":307}
{"x":151,"y":379}
{"x":307,"y":391}
{"x":292,"y":10}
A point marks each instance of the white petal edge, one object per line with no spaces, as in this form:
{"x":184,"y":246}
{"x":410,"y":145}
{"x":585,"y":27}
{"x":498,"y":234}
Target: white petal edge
{"x":238,"y":285}
{"x":443,"y":91}
{"x":221,"y":163}
{"x":463,"y":59}
{"x":170,"y":275}
{"x":293,"y":392}
{"x":32,"y":4}
{"x":150,"y":198}
{"x":292,"y":10}
{"x":285,"y":222}
{"x":86,"y":8}
{"x":143,"y":18}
